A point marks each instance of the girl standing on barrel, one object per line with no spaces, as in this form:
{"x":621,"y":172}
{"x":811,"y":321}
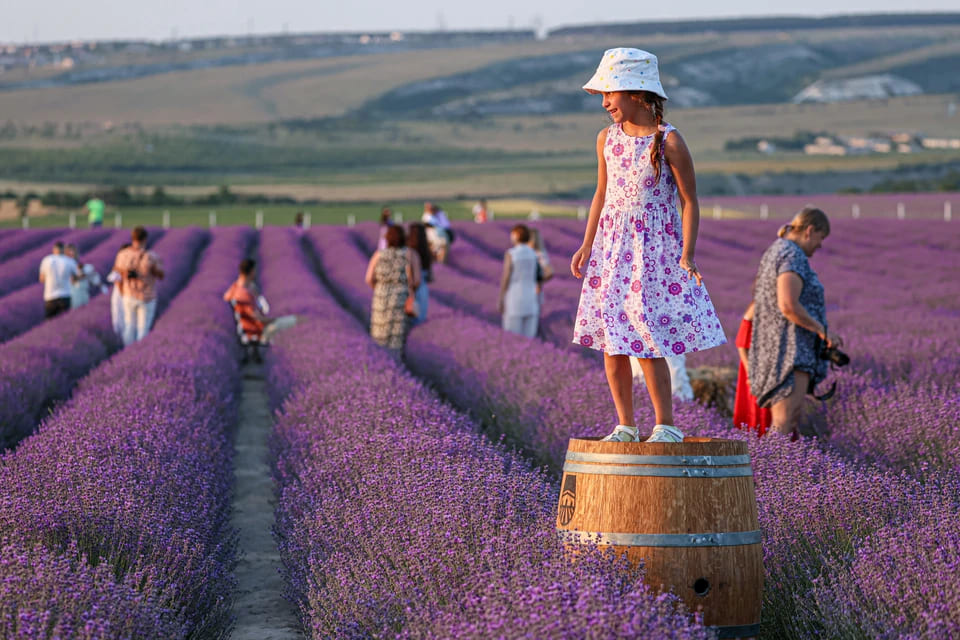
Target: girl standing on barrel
{"x":643,"y":295}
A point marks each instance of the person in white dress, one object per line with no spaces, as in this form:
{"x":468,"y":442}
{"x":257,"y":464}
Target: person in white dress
{"x":518,"y":286}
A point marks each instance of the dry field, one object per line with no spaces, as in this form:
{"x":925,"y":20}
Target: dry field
{"x":540,"y":154}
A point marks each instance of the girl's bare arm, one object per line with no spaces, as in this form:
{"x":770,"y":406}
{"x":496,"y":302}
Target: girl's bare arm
{"x":681,"y":163}
{"x":596,"y":206}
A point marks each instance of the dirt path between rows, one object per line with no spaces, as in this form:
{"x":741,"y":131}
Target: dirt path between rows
{"x":262,"y":612}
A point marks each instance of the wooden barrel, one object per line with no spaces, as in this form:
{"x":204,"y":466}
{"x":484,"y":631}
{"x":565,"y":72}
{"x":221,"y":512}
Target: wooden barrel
{"x":688,"y":510}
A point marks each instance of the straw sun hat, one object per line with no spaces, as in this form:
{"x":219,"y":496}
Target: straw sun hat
{"x":626,"y":69}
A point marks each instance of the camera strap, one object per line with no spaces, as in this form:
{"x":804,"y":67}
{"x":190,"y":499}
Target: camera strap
{"x":828,"y":394}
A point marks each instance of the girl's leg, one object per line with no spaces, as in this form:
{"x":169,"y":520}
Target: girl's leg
{"x":785,"y":414}
{"x":656,"y":373}
{"x":620,"y":379}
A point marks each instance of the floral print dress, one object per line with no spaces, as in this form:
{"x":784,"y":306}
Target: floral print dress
{"x":388,"y":322}
{"x":636,"y":300}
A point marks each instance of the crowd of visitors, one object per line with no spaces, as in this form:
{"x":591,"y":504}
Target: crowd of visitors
{"x":783,"y":342}
{"x":68,"y":282}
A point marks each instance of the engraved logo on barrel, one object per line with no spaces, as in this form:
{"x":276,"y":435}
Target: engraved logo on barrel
{"x":568,"y":499}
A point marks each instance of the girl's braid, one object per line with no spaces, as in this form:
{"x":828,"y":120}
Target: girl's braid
{"x":656,"y":150}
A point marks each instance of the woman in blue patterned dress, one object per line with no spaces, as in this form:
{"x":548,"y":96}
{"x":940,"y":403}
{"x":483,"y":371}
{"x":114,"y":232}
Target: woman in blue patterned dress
{"x":790,"y":322}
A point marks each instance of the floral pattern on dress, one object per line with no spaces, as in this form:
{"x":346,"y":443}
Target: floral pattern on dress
{"x":778,"y":345}
{"x":388,"y":322}
{"x":636,"y":300}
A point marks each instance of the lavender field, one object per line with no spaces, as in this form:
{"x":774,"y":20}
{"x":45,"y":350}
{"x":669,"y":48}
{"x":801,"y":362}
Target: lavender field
{"x":416,"y":499}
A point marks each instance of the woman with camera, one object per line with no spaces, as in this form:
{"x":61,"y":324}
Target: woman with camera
{"x":789,"y":335}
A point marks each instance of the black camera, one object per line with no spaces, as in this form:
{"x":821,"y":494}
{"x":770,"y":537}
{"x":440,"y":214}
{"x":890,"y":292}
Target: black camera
{"x":132,"y":274}
{"x":834,"y":355}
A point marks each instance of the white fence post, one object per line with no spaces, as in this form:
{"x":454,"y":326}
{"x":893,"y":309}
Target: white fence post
{"x":166,"y":219}
{"x":213,"y":219}
{"x":351,"y":220}
{"x":73,"y":220}
{"x":307,"y":219}
{"x":398,"y":216}
{"x":901,"y":211}
{"x":259,"y":220}
{"x":25,"y":222}
{"x":118,"y":220}
{"x":947,"y":211}
{"x":855,"y":210}
{"x":764,"y":211}
{"x":581,"y":213}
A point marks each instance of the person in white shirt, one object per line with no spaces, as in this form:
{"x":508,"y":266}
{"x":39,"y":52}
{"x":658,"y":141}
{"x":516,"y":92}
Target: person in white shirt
{"x":80,"y":287}
{"x":57,"y":273}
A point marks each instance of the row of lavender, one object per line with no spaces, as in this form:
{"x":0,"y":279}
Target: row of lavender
{"x":41,"y":366}
{"x":895,"y":406}
{"x":833,"y":529}
{"x":23,"y":309}
{"x":115,"y":513}
{"x":396,"y":518}
{"x":15,"y":242}
{"x":22,"y":270}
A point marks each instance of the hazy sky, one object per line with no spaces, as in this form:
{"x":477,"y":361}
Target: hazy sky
{"x":59,"y":20}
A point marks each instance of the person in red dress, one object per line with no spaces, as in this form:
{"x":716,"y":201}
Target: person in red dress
{"x":746,"y":413}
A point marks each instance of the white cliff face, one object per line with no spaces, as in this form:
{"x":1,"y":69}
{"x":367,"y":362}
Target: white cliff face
{"x":862,"y":88}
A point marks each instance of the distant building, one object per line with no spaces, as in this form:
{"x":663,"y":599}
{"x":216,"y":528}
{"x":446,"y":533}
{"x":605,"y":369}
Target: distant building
{"x":862,"y":88}
{"x":765,"y":146}
{"x":818,"y":149}
{"x":941,"y":143}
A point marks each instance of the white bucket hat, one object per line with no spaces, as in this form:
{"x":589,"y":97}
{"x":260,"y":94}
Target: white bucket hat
{"x":626,"y":69}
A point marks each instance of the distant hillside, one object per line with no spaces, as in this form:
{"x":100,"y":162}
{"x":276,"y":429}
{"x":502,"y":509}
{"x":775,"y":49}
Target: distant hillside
{"x":706,"y":70}
{"x":784,"y":23}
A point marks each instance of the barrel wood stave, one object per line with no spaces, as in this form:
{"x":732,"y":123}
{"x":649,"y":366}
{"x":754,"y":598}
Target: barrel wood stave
{"x":686,"y":510}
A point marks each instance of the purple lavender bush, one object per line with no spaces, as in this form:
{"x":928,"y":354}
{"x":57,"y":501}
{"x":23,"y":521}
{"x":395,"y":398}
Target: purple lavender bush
{"x":396,"y":518}
{"x":23,"y":309}
{"x":41,"y":366}
{"x":23,"y":270}
{"x":124,"y":492}
{"x":820,"y":504}
{"x":895,"y":405}
{"x":20,"y":241}
{"x":102,"y":607}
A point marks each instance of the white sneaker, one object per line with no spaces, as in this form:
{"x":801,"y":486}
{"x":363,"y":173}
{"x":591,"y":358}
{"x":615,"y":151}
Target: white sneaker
{"x":665,"y":433}
{"x":623,"y":433}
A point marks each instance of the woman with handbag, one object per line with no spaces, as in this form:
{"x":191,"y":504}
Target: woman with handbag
{"x":393,"y":273}
{"x":789,"y":322}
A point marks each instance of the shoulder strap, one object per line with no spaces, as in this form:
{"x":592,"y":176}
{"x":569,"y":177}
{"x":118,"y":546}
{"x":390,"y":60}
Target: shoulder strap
{"x":139,"y":259}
